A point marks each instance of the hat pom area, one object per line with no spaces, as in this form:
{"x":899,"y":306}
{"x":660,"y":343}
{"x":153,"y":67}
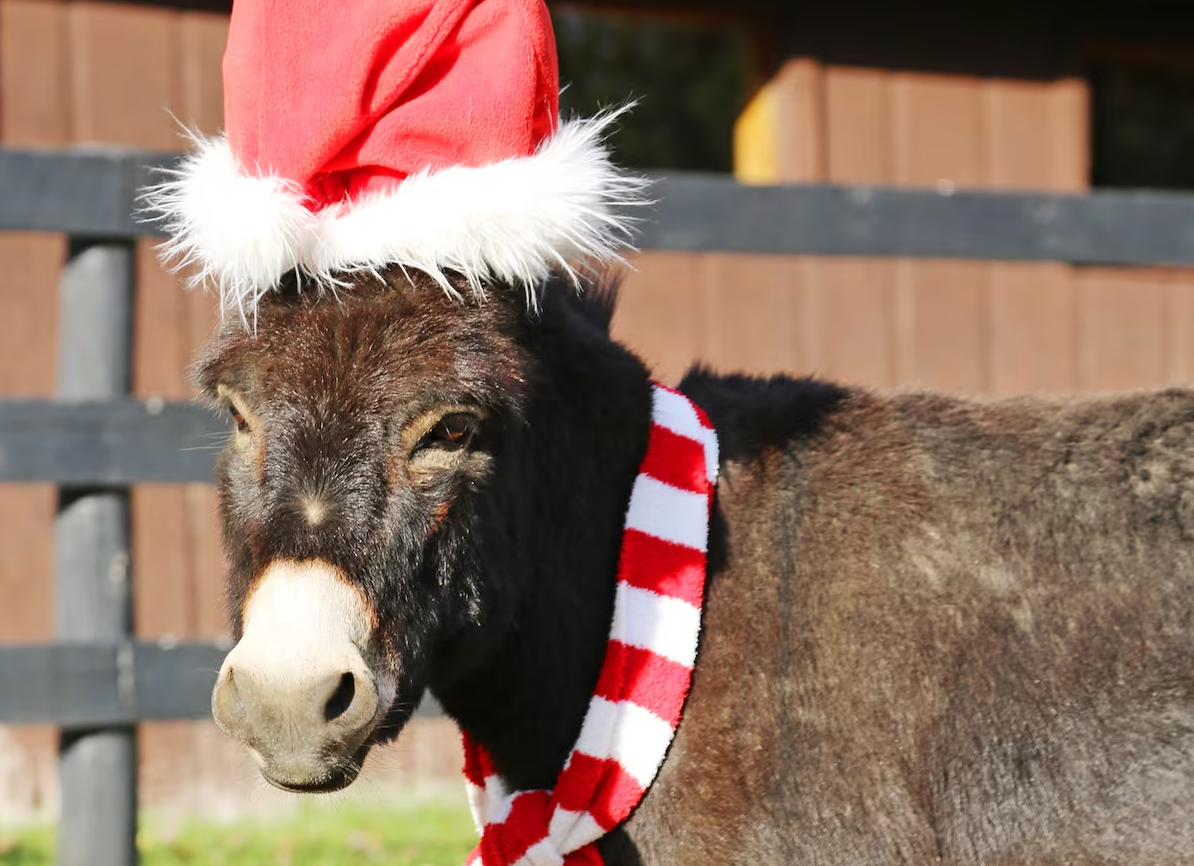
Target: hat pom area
{"x":507,"y":223}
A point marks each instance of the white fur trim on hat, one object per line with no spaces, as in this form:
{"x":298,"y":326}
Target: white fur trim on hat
{"x":510,"y":222}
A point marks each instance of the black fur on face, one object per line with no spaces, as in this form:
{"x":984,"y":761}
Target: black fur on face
{"x":370,"y":431}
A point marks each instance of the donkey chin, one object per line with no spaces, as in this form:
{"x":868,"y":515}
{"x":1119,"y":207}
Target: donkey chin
{"x":301,"y":689}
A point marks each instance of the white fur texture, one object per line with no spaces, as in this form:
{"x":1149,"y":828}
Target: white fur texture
{"x":510,"y":222}
{"x":301,"y":620}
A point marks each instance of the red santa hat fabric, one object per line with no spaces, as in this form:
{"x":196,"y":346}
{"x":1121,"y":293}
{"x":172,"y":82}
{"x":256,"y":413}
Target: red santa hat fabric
{"x":366,"y":134}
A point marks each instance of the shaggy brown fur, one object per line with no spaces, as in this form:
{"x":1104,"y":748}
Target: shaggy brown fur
{"x":946,"y":632}
{"x":937,"y":631}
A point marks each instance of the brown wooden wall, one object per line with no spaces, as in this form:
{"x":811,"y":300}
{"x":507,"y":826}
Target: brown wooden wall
{"x":1008,"y":328}
{"x":920,"y":94}
{"x":75,"y":72}
{"x":80,"y":73}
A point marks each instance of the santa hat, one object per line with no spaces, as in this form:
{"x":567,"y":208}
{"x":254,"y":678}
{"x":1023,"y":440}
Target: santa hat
{"x":422,"y":134}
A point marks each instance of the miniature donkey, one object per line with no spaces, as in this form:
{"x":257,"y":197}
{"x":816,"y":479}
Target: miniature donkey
{"x":936,"y":631}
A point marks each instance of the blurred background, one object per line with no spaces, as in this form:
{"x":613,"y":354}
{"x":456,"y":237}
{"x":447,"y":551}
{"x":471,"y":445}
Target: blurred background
{"x":1051,"y":95}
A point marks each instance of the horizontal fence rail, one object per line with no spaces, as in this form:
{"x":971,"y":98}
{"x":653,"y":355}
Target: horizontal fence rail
{"x":702,"y":213}
{"x":89,"y":685}
{"x":110,"y":444}
{"x":94,"y":194}
{"x":82,"y":193}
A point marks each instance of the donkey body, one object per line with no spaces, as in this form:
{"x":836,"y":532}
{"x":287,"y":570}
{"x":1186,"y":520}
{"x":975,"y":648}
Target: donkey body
{"x":936,"y":631}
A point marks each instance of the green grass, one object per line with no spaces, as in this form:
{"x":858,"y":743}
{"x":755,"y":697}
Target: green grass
{"x":428,"y":834}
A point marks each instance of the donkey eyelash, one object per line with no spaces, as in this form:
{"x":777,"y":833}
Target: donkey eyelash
{"x":240,"y":417}
{"x":444,"y":430}
{"x":453,"y":432}
{"x":242,"y":426}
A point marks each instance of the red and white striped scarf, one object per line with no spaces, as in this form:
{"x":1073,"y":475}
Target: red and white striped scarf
{"x":648,"y":663}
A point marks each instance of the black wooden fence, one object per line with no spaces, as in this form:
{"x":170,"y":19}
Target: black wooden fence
{"x":96,"y":683}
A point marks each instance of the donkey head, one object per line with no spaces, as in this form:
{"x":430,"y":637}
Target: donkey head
{"x":381,"y":496}
{"x":355,"y":494}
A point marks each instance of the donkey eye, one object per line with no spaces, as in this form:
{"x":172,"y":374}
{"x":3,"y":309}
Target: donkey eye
{"x":242,"y":426}
{"x":452,"y":432}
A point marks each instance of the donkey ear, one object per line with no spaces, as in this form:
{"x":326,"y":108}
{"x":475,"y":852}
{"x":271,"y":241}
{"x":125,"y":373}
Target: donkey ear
{"x":600,"y":297}
{"x":592,"y":297}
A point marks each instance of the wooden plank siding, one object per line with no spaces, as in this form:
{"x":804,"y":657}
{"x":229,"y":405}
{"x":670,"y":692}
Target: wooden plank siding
{"x":34,"y":110}
{"x":967,"y":327}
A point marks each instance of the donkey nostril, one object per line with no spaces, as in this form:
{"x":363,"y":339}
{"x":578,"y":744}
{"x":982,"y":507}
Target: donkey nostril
{"x":228,"y":704}
{"x":341,"y":698}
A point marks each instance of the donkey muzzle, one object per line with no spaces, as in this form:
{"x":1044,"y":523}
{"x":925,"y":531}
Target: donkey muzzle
{"x":297,"y":689}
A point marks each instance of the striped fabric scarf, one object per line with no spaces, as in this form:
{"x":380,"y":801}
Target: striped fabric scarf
{"x":648,"y":663}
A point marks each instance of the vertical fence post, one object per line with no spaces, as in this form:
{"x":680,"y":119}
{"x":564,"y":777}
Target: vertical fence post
{"x":97,"y":768}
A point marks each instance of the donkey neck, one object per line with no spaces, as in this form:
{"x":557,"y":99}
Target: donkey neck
{"x":585,"y":435}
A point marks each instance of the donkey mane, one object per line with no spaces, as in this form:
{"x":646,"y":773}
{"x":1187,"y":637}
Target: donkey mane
{"x":589,"y":397}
